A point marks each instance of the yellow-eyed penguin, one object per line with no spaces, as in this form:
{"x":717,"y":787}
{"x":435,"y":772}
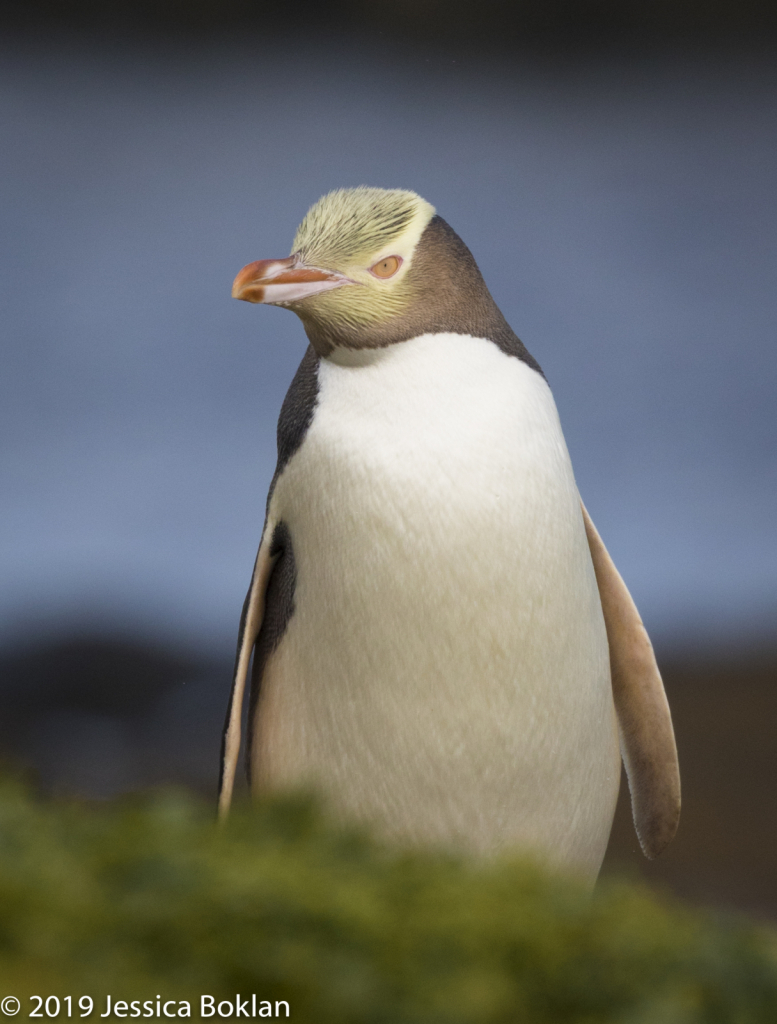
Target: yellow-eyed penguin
{"x":440,"y":640}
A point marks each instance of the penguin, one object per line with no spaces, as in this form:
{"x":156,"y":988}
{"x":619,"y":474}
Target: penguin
{"x":440,"y":641}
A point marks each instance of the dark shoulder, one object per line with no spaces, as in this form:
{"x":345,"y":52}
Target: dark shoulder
{"x":297,"y":413}
{"x":298,"y":408}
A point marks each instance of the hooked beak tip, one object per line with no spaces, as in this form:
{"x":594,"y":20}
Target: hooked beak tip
{"x":249,"y":283}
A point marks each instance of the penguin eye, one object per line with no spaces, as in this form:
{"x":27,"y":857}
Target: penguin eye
{"x":387,"y":267}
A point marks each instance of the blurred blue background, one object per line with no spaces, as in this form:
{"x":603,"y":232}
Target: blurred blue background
{"x":621,"y":205}
{"x":624,"y":215}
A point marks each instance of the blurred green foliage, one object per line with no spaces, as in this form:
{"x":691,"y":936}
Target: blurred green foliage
{"x":147,"y":896}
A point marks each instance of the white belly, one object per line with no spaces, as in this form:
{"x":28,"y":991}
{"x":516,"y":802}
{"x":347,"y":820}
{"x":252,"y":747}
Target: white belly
{"x":445,"y":674}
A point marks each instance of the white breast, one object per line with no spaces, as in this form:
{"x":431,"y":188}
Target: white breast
{"x":445,"y":673}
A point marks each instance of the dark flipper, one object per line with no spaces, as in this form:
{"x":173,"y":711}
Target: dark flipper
{"x":647,"y":737}
{"x":295,"y":419}
{"x":250,"y":624}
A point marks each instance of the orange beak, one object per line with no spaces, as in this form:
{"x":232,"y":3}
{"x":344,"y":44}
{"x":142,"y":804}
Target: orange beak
{"x":278,"y":282}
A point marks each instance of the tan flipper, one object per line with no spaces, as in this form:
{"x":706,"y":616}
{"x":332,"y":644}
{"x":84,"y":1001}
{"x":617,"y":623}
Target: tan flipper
{"x":647,"y":737}
{"x":250,"y":624}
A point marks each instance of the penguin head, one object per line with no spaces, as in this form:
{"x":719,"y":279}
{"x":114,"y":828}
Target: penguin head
{"x":369,"y":267}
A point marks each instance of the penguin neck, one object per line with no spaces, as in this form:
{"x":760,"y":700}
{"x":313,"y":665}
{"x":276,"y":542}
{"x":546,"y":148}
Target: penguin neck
{"x":448,"y":296}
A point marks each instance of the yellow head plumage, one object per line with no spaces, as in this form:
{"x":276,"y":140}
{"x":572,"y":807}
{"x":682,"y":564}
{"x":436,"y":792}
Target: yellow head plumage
{"x":349,"y":229}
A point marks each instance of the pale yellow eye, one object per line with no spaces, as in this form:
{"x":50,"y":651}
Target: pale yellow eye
{"x":387,"y":267}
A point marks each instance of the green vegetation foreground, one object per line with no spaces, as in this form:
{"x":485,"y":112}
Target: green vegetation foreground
{"x":146,"y":898}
